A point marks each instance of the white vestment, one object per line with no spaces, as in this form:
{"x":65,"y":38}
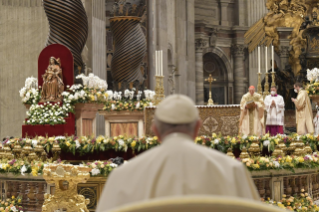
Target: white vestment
{"x":275,"y":114}
{"x":177,"y":167}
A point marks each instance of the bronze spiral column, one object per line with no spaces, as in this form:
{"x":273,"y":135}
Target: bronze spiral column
{"x":129,"y":44}
{"x":68,"y":24}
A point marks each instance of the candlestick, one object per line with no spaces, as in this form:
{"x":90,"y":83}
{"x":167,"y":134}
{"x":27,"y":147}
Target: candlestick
{"x":258,"y":59}
{"x":272,"y":59}
{"x":266,"y":87}
{"x":259,"y":89}
{"x":266,"y":59}
{"x":159,"y":89}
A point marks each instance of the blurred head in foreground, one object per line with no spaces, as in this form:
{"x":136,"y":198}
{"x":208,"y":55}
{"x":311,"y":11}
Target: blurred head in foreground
{"x":176,"y":114}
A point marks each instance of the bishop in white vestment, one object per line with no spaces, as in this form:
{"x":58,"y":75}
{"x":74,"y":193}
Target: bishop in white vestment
{"x":177,"y":167}
{"x":275,"y":107}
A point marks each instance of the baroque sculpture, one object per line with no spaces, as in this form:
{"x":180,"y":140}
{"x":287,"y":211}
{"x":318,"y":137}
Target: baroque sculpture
{"x":71,"y":31}
{"x":53,"y":85}
{"x":129,"y":44}
{"x":283,"y":13}
{"x":65,"y":196}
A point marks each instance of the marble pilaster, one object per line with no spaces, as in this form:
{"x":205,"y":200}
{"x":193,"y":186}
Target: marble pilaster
{"x":200,"y":43}
{"x":240,"y":81}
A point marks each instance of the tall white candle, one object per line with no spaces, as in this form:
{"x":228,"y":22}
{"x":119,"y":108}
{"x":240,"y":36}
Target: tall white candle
{"x":156,"y":63}
{"x":258,"y":59}
{"x":272,"y":59}
{"x":266,"y":59}
{"x":161,"y":74}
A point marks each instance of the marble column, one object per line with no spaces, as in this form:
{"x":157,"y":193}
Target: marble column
{"x":284,"y":56}
{"x":224,"y":13}
{"x":240,"y":80}
{"x":200,"y":44}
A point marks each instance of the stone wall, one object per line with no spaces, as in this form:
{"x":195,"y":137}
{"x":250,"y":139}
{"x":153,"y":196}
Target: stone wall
{"x":23,"y":33}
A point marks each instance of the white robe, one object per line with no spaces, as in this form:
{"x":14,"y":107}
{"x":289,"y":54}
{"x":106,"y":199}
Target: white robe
{"x":177,"y":167}
{"x":275,"y":115}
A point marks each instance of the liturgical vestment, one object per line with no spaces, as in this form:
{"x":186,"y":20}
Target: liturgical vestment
{"x":275,"y":114}
{"x":304,"y":114}
{"x":177,"y":167}
{"x":252,"y":120}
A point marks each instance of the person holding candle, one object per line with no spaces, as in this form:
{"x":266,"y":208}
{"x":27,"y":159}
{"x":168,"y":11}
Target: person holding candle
{"x":252,"y":113}
{"x":304,"y":114}
{"x":275,"y":107}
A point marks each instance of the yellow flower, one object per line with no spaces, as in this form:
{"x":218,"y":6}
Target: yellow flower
{"x":233,"y":140}
{"x":214,"y":135}
{"x":12,"y":197}
{"x":133,"y":144}
{"x":99,"y":139}
{"x":92,"y":98}
{"x":68,"y":143}
{"x":19,"y":200}
{"x":276,"y":140}
{"x":301,"y":159}
{"x":155,"y":137}
{"x":288,"y":159}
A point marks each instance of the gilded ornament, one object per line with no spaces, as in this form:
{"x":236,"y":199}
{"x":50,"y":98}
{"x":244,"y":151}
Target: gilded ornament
{"x":308,"y":149}
{"x":254,"y":149}
{"x":292,"y":147}
{"x":210,"y":80}
{"x":283,"y":147}
{"x":230,"y":153}
{"x":17,"y":150}
{"x":278,"y":152}
{"x":244,"y":154}
{"x":159,"y":90}
{"x":299,"y":151}
{"x":65,"y":197}
{"x":56,"y":151}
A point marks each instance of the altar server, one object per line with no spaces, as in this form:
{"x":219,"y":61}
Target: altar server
{"x":178,"y":166}
{"x":252,"y":114}
{"x":304,"y":114}
{"x":275,"y":107}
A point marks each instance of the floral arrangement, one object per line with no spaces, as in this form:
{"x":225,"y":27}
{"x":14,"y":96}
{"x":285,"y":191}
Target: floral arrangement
{"x":128,"y":103}
{"x":35,"y":168}
{"x":277,"y":163}
{"x":29,"y":93}
{"x":48,"y":113}
{"x":93,"y":91}
{"x":11,"y":204}
{"x":313,"y":77}
{"x":295,"y":203}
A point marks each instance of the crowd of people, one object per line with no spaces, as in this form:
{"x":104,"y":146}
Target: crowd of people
{"x":253,"y":106}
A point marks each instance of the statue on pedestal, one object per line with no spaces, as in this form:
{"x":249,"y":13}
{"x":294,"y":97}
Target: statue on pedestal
{"x":53,"y":85}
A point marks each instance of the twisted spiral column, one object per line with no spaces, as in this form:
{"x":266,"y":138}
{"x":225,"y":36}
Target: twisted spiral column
{"x":68,"y":25}
{"x":129,"y":50}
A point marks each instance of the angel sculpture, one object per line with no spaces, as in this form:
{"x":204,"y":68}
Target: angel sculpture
{"x":283,"y":13}
{"x":53,"y":85}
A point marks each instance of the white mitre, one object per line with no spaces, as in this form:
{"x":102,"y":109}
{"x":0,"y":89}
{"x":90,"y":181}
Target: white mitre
{"x":177,"y":109}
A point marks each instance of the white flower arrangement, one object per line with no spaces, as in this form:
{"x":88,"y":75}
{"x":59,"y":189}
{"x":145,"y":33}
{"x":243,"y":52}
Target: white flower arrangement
{"x":149,"y":95}
{"x":29,"y":93}
{"x":313,"y":75}
{"x":93,"y":82}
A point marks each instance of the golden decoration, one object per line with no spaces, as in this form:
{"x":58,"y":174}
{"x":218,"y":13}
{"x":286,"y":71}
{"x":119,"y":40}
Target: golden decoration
{"x":283,"y":147}
{"x":56,"y":150}
{"x":299,"y":151}
{"x":259,"y":89}
{"x":292,"y":147}
{"x":282,"y":13}
{"x":244,"y":154}
{"x":210,"y":80}
{"x":7,"y":152}
{"x":266,"y":88}
{"x":308,"y":149}
{"x":65,"y":196}
{"x":17,"y":150}
{"x":278,"y":152}
{"x":230,"y":153}
{"x":159,"y":90}
{"x":254,"y":149}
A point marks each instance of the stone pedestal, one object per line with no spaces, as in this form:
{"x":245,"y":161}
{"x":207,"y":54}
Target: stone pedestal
{"x":85,"y":115}
{"x":123,"y":123}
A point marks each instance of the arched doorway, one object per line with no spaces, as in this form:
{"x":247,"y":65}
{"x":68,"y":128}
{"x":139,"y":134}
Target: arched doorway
{"x":213,"y":64}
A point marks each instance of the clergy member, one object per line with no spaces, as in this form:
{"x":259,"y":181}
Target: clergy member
{"x":275,"y":107}
{"x":304,"y":114}
{"x":178,"y":166}
{"x":252,"y":114}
